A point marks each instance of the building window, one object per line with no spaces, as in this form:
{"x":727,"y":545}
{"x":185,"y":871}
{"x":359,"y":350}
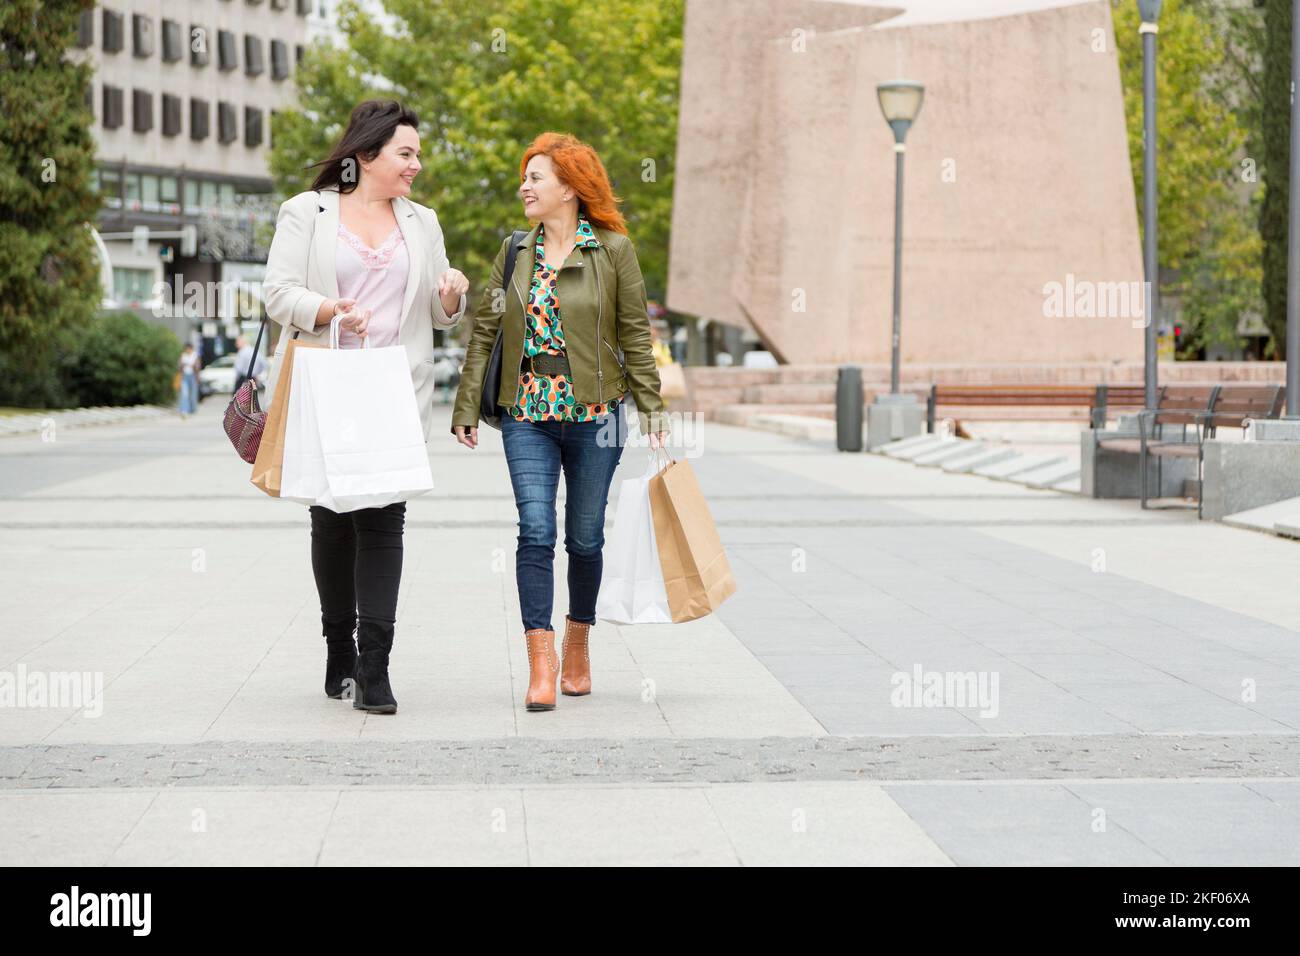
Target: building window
{"x":171,"y":115}
{"x":272,"y":119}
{"x":172,"y":48}
{"x":208,"y":194}
{"x":141,"y":111}
{"x":132,"y":183}
{"x":304,"y":7}
{"x":252,"y":55}
{"x":279,"y":4}
{"x":86,"y":28}
{"x":112,"y":32}
{"x":252,"y":126}
{"x":167,"y":189}
{"x":226,"y":57}
{"x":227,"y":123}
{"x":132,"y":285}
{"x":110,"y":186}
{"x":297,"y":54}
{"x":112,"y":107}
{"x":199,"y":54}
{"x":149,"y":192}
{"x":141,"y":35}
{"x":89,"y":98}
{"x":198,"y":119}
{"x":227,"y":193}
{"x":279,"y":60}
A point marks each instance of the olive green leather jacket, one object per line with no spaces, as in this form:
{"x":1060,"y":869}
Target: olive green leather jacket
{"x":600,"y":285}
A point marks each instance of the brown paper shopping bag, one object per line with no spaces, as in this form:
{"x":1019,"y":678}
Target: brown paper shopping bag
{"x":697,"y":575}
{"x":270,"y":453}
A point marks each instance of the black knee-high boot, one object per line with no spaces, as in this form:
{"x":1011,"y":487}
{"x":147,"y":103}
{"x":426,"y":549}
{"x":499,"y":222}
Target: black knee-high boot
{"x":373,"y":692}
{"x":341,"y":659}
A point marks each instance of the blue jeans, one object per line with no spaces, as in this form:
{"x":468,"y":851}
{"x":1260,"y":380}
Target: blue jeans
{"x":588,"y":453}
{"x":189,"y":393}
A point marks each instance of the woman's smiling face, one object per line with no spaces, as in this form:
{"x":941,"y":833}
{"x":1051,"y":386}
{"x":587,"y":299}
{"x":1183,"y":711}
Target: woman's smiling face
{"x":542,"y":191}
{"x":398,"y":163}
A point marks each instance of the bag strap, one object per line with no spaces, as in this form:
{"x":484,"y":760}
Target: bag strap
{"x":516,"y":237}
{"x":257,"y":350}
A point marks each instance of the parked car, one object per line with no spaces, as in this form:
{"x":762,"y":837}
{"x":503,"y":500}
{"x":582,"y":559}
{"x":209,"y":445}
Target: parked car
{"x":219,"y":376}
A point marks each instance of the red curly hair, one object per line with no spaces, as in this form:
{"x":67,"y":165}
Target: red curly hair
{"x":578,"y":165}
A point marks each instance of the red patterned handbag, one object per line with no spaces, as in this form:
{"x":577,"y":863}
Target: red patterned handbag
{"x":244,"y":419}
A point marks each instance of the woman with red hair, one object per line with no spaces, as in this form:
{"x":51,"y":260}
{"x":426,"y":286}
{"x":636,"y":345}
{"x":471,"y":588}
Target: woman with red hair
{"x":575,"y":341}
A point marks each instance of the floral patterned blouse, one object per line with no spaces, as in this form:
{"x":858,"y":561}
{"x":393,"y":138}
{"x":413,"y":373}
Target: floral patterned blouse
{"x":550,"y":397}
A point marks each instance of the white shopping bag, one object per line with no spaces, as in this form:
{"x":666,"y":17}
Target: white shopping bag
{"x":632,"y":581}
{"x":353,"y":437}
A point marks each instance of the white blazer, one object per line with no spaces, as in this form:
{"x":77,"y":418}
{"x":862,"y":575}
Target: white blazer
{"x":300,"y":275}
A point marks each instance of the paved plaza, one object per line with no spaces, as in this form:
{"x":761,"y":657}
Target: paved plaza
{"x":1139,"y":675}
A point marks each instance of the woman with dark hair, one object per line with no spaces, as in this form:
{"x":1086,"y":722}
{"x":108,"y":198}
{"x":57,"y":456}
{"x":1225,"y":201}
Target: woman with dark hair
{"x":358,"y":248}
{"x":562,"y":389}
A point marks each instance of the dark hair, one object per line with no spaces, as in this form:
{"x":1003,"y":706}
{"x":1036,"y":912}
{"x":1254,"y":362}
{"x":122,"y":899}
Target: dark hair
{"x":370,"y":127}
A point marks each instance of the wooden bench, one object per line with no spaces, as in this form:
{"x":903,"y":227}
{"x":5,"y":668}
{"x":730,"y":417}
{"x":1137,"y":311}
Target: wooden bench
{"x":1203,"y":407}
{"x":1098,"y":399}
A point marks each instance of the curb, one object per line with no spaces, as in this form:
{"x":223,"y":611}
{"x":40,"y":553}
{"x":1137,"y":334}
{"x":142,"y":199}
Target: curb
{"x":37,"y":421}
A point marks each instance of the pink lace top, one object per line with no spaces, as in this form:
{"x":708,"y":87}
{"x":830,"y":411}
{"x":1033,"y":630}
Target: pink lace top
{"x":376,"y":278}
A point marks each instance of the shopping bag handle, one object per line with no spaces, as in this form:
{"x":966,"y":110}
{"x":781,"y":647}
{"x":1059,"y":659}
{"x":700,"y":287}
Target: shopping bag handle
{"x":335,"y":323}
{"x":661,"y":456}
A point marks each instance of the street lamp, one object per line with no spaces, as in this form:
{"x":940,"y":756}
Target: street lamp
{"x":894,"y":416}
{"x":900,"y":101}
{"x":1293,"y":241}
{"x":1150,"y":13}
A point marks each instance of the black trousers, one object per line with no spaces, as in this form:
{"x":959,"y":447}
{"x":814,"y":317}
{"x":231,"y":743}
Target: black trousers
{"x":357,"y":560}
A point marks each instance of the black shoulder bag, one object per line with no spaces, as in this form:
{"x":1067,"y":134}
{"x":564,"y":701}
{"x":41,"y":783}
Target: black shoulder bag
{"x":488,"y":409}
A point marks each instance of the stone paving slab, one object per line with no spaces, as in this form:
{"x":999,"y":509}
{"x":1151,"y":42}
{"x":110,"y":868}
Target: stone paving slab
{"x":1104,"y":823}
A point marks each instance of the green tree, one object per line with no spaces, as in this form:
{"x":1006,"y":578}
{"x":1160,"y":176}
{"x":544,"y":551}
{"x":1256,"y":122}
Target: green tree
{"x":487,"y":77}
{"x":1206,"y":233}
{"x":49,"y":269}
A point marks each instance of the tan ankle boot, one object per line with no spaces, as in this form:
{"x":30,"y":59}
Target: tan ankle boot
{"x":543,"y":668}
{"x":575,"y":677}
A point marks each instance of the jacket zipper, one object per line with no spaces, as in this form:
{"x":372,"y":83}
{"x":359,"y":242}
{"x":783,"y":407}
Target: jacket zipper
{"x":611,"y":351}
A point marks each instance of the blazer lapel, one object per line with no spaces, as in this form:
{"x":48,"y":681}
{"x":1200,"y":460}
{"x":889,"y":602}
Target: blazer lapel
{"x":522,"y":278}
{"x":325,"y":238}
{"x":409,"y":223}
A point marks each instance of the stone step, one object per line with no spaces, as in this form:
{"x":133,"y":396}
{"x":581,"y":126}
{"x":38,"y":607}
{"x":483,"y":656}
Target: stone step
{"x":737,"y":413}
{"x":893,"y":448}
{"x":787,"y":393}
{"x":1049,"y":476}
{"x":946,"y":451}
{"x":990,"y":454}
{"x":1011,"y":374}
{"x":911,"y":452}
{"x":1008,"y":469}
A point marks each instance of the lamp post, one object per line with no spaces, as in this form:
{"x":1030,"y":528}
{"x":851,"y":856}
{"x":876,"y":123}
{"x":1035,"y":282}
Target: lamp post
{"x":1293,"y":241}
{"x":1150,"y":13}
{"x":900,"y":101}
{"x":895,"y":415}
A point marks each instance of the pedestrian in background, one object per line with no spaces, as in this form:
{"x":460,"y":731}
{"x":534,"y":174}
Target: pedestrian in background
{"x":243,"y":359}
{"x":189,"y":367}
